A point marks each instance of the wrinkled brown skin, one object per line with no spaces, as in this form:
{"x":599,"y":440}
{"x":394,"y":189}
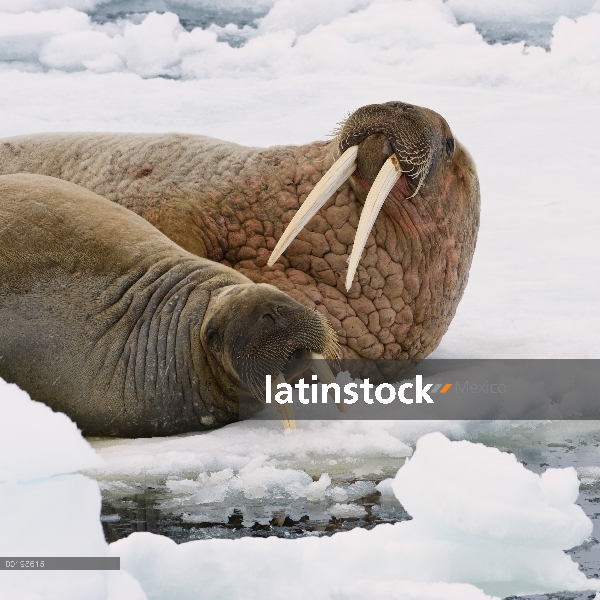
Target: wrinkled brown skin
{"x":231,"y":204}
{"x":107,"y":320}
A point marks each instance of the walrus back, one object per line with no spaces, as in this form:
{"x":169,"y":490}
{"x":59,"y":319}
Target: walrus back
{"x":154,"y":175}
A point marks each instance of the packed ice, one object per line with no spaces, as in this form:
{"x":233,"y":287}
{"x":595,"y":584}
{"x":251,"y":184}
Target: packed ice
{"x":310,"y":37}
{"x":479,"y":517}
{"x":45,"y":510}
{"x":519,"y":83}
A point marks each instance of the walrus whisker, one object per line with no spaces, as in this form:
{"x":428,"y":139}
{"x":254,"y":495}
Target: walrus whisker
{"x":384,"y":182}
{"x":343,"y":167}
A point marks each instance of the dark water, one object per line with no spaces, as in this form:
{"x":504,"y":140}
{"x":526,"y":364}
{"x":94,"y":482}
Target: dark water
{"x":183,"y":517}
{"x":511,"y":32}
{"x":142,"y":512}
{"x":493,"y":32}
{"x":189,"y":17}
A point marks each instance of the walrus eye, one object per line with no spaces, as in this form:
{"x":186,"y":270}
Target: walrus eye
{"x":212,"y":336}
{"x":450,"y":146}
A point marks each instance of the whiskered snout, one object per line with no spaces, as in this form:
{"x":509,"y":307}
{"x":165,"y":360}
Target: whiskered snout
{"x":300,"y":339}
{"x":287,"y":343}
{"x":414,"y":140}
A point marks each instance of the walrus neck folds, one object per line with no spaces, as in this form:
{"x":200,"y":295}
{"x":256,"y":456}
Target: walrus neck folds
{"x":149,"y":317}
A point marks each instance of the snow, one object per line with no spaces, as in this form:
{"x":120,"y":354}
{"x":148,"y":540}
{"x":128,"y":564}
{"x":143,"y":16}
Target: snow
{"x":522,"y":10}
{"x":479,"y":517}
{"x":250,"y":444}
{"x":45,"y":514}
{"x":408,"y":590}
{"x":527,"y":113}
{"x":21,"y":458}
{"x":296,"y":39}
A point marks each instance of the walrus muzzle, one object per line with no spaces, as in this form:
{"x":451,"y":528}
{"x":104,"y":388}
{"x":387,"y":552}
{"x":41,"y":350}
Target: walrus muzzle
{"x":411,"y":141}
{"x":272,"y":334}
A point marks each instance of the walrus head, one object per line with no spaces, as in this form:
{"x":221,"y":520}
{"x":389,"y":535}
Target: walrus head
{"x":387,"y":151}
{"x":254,"y":330}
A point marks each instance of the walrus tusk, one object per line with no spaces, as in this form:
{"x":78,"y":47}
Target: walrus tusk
{"x":384,"y":182}
{"x":286,"y":412}
{"x":343,"y":167}
{"x":321,"y":369}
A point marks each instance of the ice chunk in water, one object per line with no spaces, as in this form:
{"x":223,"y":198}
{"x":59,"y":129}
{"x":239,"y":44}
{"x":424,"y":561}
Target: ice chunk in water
{"x":45,"y":515}
{"x":486,"y":493}
{"x":480,"y":518}
{"x":37,"y":442}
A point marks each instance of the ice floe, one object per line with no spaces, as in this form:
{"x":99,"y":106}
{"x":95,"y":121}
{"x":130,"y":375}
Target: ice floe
{"x":43,"y":514}
{"x":479,"y":517}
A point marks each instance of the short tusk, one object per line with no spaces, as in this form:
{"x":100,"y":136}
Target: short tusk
{"x":384,"y":182}
{"x":321,"y":369}
{"x":286,"y":412}
{"x":343,"y":167}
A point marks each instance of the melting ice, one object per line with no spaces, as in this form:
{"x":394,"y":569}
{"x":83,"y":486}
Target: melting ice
{"x":482,"y":523}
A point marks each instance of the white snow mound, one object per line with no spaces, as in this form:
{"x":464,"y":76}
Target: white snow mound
{"x":37,"y":442}
{"x":43,"y":515}
{"x":487,"y":493}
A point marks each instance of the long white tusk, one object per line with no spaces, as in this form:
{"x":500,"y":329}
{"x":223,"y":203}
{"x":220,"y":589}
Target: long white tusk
{"x":286,"y":412}
{"x":343,"y":167}
{"x":321,"y":369}
{"x":384,"y":182}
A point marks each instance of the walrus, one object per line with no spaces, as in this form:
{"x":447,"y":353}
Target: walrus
{"x":107,"y":320}
{"x":394,"y":180}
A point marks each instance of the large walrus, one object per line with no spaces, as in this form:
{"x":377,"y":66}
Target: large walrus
{"x":231,"y":204}
{"x":106,"y":319}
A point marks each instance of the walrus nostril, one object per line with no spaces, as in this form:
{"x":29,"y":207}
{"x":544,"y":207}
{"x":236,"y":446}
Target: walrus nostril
{"x":268,"y":317}
{"x":299,"y":354}
{"x":450,"y":146}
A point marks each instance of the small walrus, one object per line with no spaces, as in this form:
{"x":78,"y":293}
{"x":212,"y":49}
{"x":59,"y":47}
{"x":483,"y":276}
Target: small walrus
{"x":107,"y":320}
{"x":375,"y":229}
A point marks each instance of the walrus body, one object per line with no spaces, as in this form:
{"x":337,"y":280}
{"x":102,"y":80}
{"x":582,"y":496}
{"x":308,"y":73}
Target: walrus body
{"x":231,"y":204}
{"x":106,"y":319}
